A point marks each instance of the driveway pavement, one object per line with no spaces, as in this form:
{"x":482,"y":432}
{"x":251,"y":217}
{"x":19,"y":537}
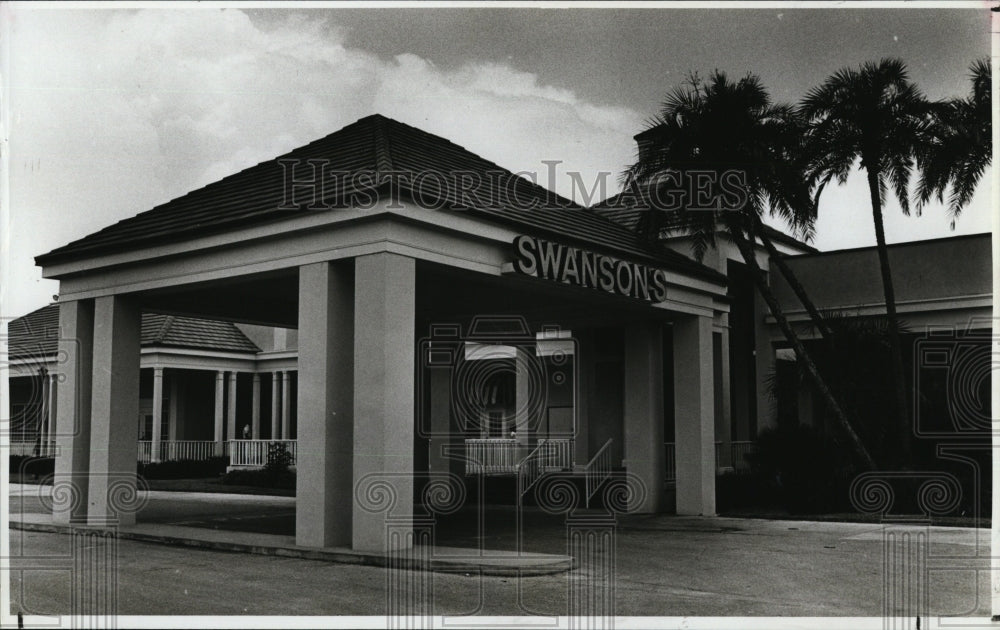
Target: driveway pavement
{"x":663,"y":566}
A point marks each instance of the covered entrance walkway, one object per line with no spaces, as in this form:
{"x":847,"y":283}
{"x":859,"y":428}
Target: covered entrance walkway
{"x":431,"y":337}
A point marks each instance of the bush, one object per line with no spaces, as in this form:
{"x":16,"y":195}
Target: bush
{"x":796,"y":468}
{"x":263,"y":478}
{"x":278,"y":458}
{"x":740,"y":492}
{"x":30,"y":465}
{"x":184,"y":468}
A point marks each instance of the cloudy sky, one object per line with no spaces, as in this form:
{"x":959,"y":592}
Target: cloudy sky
{"x":111,"y":112}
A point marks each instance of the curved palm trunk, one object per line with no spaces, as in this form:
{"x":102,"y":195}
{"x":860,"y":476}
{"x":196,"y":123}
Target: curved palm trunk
{"x":779,"y":316}
{"x":895,"y":350}
{"x":792,"y":280}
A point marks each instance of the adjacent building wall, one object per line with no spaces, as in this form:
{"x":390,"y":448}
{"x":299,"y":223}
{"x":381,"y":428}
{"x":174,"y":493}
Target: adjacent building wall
{"x":934,"y":272}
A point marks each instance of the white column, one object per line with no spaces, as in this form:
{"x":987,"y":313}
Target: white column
{"x":231,"y":433}
{"x":694,"y":415}
{"x":220,"y":393}
{"x":72,"y":434}
{"x":255,"y":422}
{"x":525,"y":425}
{"x":50,"y":417}
{"x":43,"y":412}
{"x":643,"y":413}
{"x":384,"y":338}
{"x":173,"y":413}
{"x":157,"y":412}
{"x":114,"y":408}
{"x":275,"y":406}
{"x":286,"y":405}
{"x":325,"y":483}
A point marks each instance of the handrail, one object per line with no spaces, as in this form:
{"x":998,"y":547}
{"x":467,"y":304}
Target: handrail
{"x":531,"y":468}
{"x":597,"y":470}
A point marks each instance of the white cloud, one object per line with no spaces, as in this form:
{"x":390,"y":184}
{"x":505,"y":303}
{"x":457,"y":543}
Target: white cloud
{"x":114,"y":112}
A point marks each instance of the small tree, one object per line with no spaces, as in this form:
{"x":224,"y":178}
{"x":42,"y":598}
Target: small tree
{"x":278,"y":459}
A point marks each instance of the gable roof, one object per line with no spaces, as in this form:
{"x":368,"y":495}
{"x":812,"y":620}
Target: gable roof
{"x":36,"y":334}
{"x":389,"y":156}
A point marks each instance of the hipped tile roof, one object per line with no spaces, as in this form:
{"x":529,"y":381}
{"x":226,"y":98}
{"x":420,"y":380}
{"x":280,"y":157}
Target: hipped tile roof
{"x":36,"y":335}
{"x":377,"y":147}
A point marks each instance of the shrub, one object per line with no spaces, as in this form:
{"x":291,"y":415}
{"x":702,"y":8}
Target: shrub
{"x":30,"y":465}
{"x":184,"y":468}
{"x":278,"y":458}
{"x":263,"y":478}
{"x":797,"y":468}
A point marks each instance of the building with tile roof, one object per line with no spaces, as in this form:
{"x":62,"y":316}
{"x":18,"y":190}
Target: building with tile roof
{"x":420,"y":316}
{"x":181,"y":360}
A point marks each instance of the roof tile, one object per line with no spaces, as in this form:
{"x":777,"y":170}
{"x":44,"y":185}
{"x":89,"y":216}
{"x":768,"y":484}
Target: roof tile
{"x":425,"y":167}
{"x":36,"y":335}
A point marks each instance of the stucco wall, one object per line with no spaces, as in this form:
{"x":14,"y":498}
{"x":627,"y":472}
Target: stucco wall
{"x":922,"y":270}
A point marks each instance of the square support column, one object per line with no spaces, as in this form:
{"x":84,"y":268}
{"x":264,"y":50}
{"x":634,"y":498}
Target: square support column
{"x":255,"y":417}
{"x":643,"y":413}
{"x":384,"y":339}
{"x":694,"y":418}
{"x":286,"y":405}
{"x":231,"y":428}
{"x":50,"y":422}
{"x":325,"y":472}
{"x":113,"y":411}
{"x":275,"y":406}
{"x":44,"y":412}
{"x":220,"y":411}
{"x":174,"y":407}
{"x":72,"y":431}
{"x":157,"y":412}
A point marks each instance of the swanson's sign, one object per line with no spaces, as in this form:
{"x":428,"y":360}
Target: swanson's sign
{"x":569,"y":265}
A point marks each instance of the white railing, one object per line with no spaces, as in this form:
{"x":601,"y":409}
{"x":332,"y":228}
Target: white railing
{"x":492,"y":456}
{"x":556,"y":453}
{"x":501,"y":456}
{"x":529,"y":471}
{"x":253,"y":453}
{"x":738,"y":454}
{"x":174,"y":450}
{"x":23,"y":449}
{"x":597,"y":470}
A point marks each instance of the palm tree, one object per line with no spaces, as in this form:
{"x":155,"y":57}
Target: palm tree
{"x":877,"y":115}
{"x":961,"y":146}
{"x":731,"y":129}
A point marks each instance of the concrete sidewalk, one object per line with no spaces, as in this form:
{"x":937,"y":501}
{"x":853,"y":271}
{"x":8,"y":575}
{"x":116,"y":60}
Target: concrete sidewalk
{"x":166,"y":518}
{"x":663,"y":564}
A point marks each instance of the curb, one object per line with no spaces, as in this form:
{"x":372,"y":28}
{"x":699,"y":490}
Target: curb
{"x":416,"y":561}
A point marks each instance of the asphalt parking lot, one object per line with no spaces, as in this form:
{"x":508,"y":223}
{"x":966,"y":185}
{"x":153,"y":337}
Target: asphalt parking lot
{"x":663,"y":566}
